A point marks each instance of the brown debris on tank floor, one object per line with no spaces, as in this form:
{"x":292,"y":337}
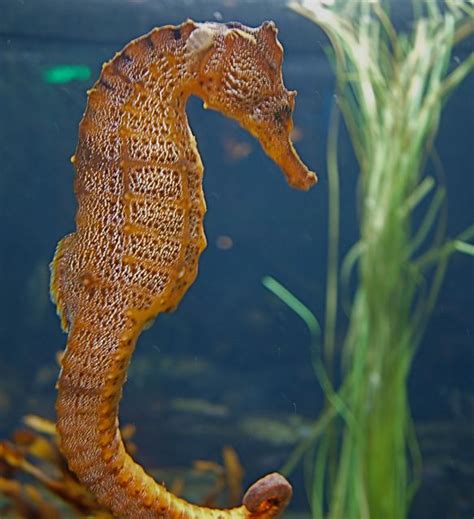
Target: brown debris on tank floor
{"x":36,"y":483}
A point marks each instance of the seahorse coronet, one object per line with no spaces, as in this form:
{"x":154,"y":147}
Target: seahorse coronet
{"x":139,"y":234}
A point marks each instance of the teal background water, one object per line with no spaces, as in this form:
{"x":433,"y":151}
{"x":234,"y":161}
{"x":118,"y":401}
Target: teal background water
{"x":231,"y":366}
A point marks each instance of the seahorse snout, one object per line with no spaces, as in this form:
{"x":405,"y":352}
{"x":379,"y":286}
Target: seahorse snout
{"x":295,"y":171}
{"x":271,"y":123}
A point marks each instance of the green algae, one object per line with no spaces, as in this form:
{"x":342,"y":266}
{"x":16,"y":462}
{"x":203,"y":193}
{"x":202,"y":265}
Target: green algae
{"x":362,"y":458}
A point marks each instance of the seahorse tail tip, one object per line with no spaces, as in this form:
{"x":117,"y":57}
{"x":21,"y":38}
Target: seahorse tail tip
{"x":268,"y":496}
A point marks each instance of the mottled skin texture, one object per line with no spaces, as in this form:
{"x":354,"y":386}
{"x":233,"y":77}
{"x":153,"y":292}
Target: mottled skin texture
{"x":139,"y":235}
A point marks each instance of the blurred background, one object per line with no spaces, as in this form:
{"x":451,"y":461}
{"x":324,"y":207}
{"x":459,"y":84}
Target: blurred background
{"x":231,"y":366}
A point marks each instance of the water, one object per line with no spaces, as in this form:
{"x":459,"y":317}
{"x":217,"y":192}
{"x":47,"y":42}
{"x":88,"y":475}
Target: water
{"x":231,"y":365}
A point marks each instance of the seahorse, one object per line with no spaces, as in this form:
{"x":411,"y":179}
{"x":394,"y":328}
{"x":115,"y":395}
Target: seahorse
{"x":139,"y":234}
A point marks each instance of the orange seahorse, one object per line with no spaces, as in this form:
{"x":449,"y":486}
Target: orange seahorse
{"x":139,"y":234}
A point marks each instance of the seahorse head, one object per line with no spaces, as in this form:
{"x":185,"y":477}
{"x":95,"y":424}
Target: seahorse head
{"x":238,"y":71}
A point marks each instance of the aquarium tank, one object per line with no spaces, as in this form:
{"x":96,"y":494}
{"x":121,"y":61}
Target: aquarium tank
{"x":328,"y":335}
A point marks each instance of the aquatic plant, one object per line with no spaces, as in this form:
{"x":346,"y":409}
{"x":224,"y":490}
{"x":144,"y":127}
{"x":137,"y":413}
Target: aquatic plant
{"x":362,"y":458}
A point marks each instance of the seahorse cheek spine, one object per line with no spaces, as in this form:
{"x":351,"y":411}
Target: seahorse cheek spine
{"x":139,"y":235}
